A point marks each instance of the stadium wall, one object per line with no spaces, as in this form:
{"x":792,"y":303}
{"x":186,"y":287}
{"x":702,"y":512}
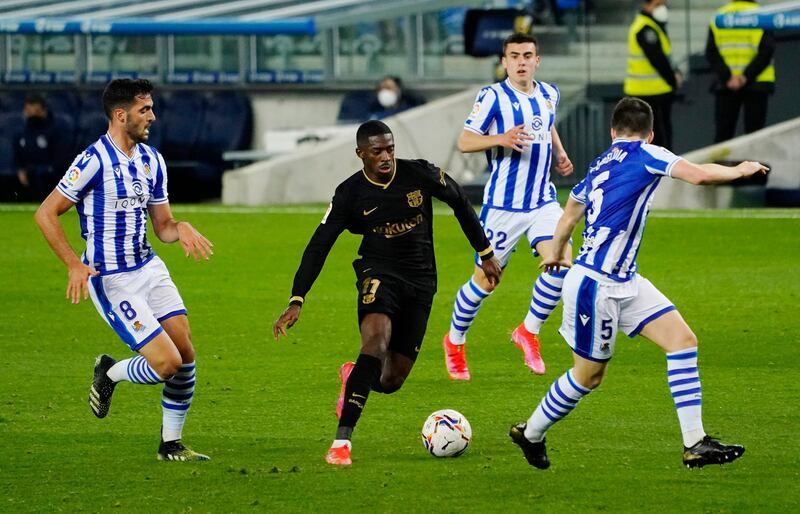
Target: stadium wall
{"x":775,"y":146}
{"x":429,"y":132}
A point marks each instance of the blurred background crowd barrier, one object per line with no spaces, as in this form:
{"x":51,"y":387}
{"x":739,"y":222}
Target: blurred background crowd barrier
{"x":257,"y":99}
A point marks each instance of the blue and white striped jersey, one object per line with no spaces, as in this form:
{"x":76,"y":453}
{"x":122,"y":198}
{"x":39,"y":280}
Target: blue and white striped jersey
{"x":617,"y":192}
{"x":111,"y":193}
{"x":517,"y":181}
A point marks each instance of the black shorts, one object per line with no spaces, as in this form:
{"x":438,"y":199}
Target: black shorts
{"x":407,"y":307}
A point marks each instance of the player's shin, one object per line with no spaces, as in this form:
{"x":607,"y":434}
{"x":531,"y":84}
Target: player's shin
{"x":135,"y":370}
{"x":684,"y":384}
{"x":544,"y":299}
{"x":465,"y":308}
{"x":562,"y":397}
{"x":176,"y":400}
{"x":361,"y":380}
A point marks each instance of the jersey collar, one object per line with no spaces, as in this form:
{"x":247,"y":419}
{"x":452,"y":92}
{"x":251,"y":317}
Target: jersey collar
{"x":535,"y":88}
{"x":386,"y":185}
{"x":120,"y":151}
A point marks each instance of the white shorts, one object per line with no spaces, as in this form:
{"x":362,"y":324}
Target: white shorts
{"x":134,"y":303}
{"x":602,"y":307}
{"x":505,"y":228}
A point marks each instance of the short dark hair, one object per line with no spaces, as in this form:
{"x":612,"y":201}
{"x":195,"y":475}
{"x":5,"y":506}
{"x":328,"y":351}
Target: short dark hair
{"x":35,"y":99}
{"x":370,"y":128}
{"x":123,"y":92}
{"x":632,"y":116}
{"x":519,"y":37}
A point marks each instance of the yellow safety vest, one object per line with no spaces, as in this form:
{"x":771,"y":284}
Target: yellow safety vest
{"x":642,"y":79}
{"x":738,"y":47}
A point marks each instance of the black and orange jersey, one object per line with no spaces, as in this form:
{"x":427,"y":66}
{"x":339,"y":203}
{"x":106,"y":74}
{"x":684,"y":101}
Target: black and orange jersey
{"x":396,"y":222}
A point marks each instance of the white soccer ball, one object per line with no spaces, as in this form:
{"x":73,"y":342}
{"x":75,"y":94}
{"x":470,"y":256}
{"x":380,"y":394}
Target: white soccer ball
{"x":446,"y":433}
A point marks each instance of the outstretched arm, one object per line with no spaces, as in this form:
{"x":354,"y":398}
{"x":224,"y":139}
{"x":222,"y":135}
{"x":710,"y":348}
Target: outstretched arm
{"x":707,"y":174}
{"x":317,"y":250}
{"x":46,"y":217}
{"x":450,"y":192}
{"x":573,"y":212}
{"x":169,"y":230}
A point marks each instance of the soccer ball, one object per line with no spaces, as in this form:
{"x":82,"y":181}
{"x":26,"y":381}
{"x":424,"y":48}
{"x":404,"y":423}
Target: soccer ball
{"x":446,"y":433}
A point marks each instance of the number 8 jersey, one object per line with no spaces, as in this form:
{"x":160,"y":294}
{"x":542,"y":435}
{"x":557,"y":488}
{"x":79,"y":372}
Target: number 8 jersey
{"x":617,"y":192}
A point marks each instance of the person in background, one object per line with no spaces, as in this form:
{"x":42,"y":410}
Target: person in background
{"x":391,"y":98}
{"x":651,"y":75}
{"x":745,"y":73}
{"x":39,"y":149}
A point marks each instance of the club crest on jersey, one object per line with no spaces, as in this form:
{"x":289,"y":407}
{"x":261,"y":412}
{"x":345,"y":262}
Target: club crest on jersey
{"x":414,"y":198}
{"x":147,"y":169}
{"x":73,"y":175}
{"x":549,"y":105}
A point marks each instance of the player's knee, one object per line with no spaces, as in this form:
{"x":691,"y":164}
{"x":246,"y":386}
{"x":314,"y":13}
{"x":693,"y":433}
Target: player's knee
{"x":167,"y":367}
{"x":690,"y":340}
{"x":392,"y":383}
{"x":187,"y":353}
{"x":589,"y":378}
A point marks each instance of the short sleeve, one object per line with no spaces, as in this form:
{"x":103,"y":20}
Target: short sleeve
{"x":659,"y":160}
{"x":80,"y":176}
{"x":579,"y":192}
{"x":483,"y":112}
{"x":159,"y":192}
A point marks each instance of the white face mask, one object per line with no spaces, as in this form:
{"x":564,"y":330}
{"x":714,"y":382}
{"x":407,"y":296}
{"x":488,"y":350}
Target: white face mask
{"x":661,"y":14}
{"x":387,"y":97}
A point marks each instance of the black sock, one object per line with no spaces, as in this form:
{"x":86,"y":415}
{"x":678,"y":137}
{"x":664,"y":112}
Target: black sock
{"x":366,"y":371}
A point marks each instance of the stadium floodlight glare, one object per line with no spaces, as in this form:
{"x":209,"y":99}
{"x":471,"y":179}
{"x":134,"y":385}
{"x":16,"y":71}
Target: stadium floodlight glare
{"x":783,"y":16}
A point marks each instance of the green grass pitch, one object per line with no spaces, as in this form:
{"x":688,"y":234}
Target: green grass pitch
{"x":264,"y":410}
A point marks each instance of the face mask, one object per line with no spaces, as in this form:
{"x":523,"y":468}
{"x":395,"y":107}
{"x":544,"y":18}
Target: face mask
{"x":661,"y":14}
{"x":387,"y":97}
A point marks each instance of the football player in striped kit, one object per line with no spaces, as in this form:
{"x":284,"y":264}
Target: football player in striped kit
{"x":603,"y":293}
{"x":114,"y":185}
{"x":513,"y":122}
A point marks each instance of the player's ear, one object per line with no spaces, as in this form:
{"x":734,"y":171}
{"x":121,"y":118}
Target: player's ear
{"x":360,"y":153}
{"x":650,"y":136}
{"x":613,"y":134}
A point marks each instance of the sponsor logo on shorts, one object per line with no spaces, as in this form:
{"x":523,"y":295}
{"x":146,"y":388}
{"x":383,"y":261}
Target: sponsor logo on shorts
{"x":138,"y":326}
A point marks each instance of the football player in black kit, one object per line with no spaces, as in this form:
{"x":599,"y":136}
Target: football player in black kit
{"x":388,"y":202}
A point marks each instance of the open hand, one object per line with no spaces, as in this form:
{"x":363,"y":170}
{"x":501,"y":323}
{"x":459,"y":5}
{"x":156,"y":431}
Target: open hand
{"x":193,"y":242}
{"x":78,"y":282}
